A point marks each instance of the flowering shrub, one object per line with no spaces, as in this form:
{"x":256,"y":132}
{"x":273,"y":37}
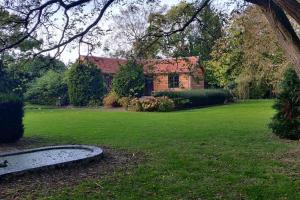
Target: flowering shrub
{"x":152,"y":104}
{"x":165,"y":104}
{"x":135,"y":105}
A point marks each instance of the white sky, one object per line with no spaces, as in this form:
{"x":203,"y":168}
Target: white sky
{"x":71,"y":54}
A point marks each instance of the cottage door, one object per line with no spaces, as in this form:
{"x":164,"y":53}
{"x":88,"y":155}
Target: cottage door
{"x":148,"y":85}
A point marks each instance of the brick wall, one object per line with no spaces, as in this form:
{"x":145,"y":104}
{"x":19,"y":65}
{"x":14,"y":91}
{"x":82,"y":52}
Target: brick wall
{"x":160,"y":83}
{"x":184,"y":81}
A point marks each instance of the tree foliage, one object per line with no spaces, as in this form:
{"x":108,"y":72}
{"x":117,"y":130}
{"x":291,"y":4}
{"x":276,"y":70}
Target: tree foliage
{"x":196,"y":40}
{"x":50,"y":89}
{"x":6,"y":83}
{"x":85,"y":84}
{"x":25,"y":72}
{"x":130,"y":80}
{"x":11,"y":32}
{"x":248,"y":59}
{"x":286,"y":122}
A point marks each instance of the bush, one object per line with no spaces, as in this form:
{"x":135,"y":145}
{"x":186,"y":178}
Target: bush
{"x":286,"y":122}
{"x":135,"y":105}
{"x":130,"y":80}
{"x":11,"y":118}
{"x":85,"y":84}
{"x":196,"y":98}
{"x":152,"y":104}
{"x":165,"y":104}
{"x":111,"y":100}
{"x":50,"y":89}
{"x":124,"y":102}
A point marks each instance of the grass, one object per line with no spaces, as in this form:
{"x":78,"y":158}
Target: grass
{"x":223,"y":152}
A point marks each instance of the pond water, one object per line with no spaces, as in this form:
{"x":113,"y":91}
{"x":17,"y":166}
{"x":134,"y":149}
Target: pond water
{"x":44,"y":157}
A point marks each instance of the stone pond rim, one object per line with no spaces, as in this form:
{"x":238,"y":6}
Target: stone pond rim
{"x":20,"y":162}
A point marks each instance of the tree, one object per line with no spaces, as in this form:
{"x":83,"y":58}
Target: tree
{"x":25,"y":71}
{"x":286,"y":122}
{"x":247,"y":58}
{"x":196,"y":40}
{"x":11,"y":31}
{"x":130,"y":80}
{"x":6,"y":83}
{"x":85,"y":84}
{"x":50,"y":89}
{"x":274,"y":11}
{"x":129,"y":27}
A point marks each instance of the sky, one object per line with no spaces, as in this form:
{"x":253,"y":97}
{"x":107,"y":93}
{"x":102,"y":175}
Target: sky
{"x":71,"y":54}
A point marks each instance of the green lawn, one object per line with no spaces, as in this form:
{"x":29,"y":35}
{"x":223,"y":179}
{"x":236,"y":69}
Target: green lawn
{"x":223,"y":152}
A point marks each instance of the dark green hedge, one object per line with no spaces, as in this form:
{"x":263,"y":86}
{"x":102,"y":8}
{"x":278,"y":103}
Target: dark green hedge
{"x":130,"y":80}
{"x":85,"y":84}
{"x":197,"y":98}
{"x":11,"y":118}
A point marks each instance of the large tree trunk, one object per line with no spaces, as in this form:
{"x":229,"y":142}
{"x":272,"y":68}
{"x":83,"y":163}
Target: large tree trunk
{"x":286,"y":34}
{"x":292,"y":7}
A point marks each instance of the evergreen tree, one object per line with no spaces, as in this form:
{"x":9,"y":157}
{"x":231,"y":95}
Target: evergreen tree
{"x":130,"y":80}
{"x":286,"y":122}
{"x":85,"y":84}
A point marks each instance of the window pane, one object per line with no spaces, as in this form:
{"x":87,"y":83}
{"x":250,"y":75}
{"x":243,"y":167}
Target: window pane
{"x":173,"y":81}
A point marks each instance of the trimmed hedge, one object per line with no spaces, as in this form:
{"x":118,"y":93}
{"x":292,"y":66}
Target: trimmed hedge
{"x":197,"y":98}
{"x":11,"y":118}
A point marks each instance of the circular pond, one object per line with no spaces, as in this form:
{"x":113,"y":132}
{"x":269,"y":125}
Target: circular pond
{"x":33,"y":159}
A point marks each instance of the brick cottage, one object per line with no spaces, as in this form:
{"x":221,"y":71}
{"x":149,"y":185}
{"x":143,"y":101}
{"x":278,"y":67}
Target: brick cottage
{"x":161,"y":74}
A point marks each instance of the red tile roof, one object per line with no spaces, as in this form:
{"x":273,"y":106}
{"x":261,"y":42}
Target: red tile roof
{"x":155,"y":66}
{"x":107,"y":65}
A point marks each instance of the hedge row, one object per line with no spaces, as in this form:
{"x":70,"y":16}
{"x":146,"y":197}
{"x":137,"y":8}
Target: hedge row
{"x":11,"y":118}
{"x":197,"y":98}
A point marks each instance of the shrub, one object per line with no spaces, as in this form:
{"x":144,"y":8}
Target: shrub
{"x":111,"y":100}
{"x":85,"y":84}
{"x":11,"y":118}
{"x":50,"y":89}
{"x":124,"y":102}
{"x":135,"y":105}
{"x":286,"y":122}
{"x":196,"y":98}
{"x":130,"y":80}
{"x":165,"y":104}
{"x":152,"y":104}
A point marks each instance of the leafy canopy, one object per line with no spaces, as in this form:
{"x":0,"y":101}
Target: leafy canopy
{"x":50,"y":89}
{"x":248,"y":58}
